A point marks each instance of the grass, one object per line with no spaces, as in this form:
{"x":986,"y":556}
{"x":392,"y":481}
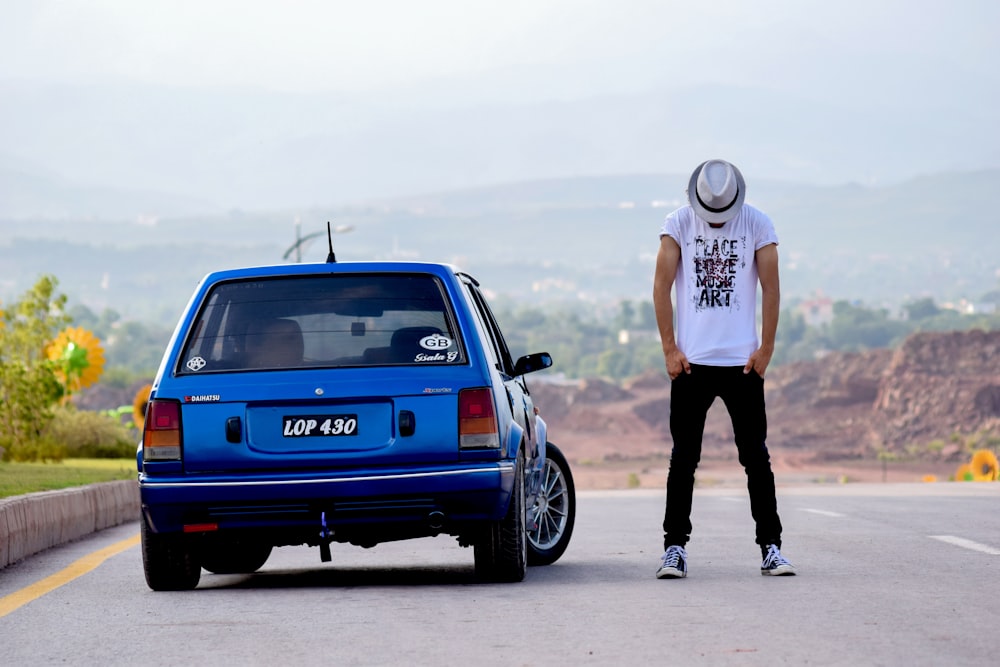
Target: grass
{"x":19,"y":478}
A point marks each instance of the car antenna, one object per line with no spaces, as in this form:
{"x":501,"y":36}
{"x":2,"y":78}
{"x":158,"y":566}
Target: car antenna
{"x":331,"y":258}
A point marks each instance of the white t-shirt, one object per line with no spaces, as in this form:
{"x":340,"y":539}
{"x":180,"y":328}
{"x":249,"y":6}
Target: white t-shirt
{"x":716,"y":284}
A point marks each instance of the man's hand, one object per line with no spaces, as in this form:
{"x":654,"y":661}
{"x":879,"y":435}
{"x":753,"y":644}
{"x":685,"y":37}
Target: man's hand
{"x":759,"y":360}
{"x":677,"y":363}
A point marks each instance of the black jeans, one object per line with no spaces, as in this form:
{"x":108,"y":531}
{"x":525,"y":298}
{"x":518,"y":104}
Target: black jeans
{"x":690,"y":398}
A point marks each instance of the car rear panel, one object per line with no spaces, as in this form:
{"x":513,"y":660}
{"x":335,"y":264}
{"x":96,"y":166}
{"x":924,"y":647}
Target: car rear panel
{"x":366,"y":436}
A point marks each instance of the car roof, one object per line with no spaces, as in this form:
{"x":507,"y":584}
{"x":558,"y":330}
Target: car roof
{"x":437,"y":268}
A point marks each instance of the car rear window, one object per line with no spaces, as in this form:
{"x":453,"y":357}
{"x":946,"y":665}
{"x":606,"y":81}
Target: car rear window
{"x":324,"y":321}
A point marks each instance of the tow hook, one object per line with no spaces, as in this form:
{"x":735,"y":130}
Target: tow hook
{"x":326,"y":535}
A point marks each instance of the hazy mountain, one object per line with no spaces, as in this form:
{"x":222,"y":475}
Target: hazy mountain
{"x":587,"y":240}
{"x":28,"y":193}
{"x":118,"y":150}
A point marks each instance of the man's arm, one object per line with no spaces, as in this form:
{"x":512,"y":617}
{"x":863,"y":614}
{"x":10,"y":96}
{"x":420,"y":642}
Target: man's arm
{"x":767,"y":273}
{"x":667,"y":260}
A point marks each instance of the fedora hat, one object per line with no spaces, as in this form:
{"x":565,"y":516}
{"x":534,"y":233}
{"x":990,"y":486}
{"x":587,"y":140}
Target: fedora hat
{"x":716,"y":191}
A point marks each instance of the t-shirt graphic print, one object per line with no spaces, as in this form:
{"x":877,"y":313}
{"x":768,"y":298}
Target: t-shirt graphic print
{"x":716,"y":261}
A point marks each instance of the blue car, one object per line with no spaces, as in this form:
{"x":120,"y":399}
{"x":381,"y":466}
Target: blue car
{"x":352,"y":402}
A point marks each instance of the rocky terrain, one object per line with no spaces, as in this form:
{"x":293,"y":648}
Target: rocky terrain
{"x":883,"y":414}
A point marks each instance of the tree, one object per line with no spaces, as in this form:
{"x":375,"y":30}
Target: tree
{"x":626,"y":315}
{"x":646,"y":316}
{"x":29,"y":387}
{"x":791,"y":340}
{"x":993,"y":296}
{"x":855,"y":328}
{"x":921,"y":309}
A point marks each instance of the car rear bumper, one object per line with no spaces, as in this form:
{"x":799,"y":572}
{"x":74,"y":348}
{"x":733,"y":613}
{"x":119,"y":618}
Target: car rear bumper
{"x":440,"y":499}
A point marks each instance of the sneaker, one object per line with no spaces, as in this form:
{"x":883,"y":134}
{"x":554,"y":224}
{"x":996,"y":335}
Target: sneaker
{"x":673,"y":563}
{"x":774,"y":563}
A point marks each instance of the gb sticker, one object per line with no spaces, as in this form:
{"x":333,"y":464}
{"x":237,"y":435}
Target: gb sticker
{"x":435,"y":342}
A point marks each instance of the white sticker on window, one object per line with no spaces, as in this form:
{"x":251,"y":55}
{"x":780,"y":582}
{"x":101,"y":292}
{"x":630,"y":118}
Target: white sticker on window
{"x":196,"y":363}
{"x":435,"y":342}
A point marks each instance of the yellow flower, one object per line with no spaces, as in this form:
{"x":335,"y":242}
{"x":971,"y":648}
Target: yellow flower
{"x":139,"y":406}
{"x":984,"y":466}
{"x":964,"y":473}
{"x":79,"y":358}
{"x":930,"y":478}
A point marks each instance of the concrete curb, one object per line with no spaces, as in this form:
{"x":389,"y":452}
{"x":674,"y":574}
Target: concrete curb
{"x":37,"y":521}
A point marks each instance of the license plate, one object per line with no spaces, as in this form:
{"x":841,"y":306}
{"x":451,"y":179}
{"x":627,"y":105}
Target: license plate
{"x":302,"y":426}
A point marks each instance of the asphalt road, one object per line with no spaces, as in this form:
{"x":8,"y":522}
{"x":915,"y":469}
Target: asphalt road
{"x":888,"y":575}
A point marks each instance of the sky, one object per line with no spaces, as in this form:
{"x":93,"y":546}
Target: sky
{"x":380,"y":98}
{"x":583,"y":45}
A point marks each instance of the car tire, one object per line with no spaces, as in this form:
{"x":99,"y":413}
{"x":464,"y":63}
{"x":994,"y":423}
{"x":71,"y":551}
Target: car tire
{"x":501,"y":550}
{"x":551,"y":519}
{"x":233,"y":555}
{"x":169,"y":561}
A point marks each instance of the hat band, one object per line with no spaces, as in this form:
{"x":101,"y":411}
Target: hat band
{"x":718,"y":210}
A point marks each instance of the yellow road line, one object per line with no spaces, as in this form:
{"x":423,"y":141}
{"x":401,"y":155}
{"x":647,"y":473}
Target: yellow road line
{"x":76,"y":569}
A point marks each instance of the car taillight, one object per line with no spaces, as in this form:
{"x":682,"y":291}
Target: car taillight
{"x":477,"y":422}
{"x":161,"y":436}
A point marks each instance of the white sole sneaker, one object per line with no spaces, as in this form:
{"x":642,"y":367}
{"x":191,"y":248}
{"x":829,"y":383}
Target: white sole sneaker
{"x":670,"y":573}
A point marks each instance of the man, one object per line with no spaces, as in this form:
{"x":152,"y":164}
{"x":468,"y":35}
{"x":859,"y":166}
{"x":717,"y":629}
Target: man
{"x":715,"y":251}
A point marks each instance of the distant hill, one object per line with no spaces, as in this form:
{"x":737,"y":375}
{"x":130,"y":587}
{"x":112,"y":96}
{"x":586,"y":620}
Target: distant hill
{"x":30,"y":194}
{"x":586,"y":240}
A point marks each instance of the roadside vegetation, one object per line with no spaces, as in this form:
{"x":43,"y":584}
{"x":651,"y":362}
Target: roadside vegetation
{"x":44,"y":361}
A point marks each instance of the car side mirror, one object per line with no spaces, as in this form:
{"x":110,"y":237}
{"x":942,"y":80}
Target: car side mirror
{"x":530,"y":363}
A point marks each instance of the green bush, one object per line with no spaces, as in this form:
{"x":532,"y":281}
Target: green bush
{"x":38,"y":449}
{"x":90,"y":435}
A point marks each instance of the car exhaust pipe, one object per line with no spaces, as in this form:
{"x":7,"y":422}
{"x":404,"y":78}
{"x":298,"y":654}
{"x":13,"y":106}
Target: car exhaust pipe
{"x":436,"y":520}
